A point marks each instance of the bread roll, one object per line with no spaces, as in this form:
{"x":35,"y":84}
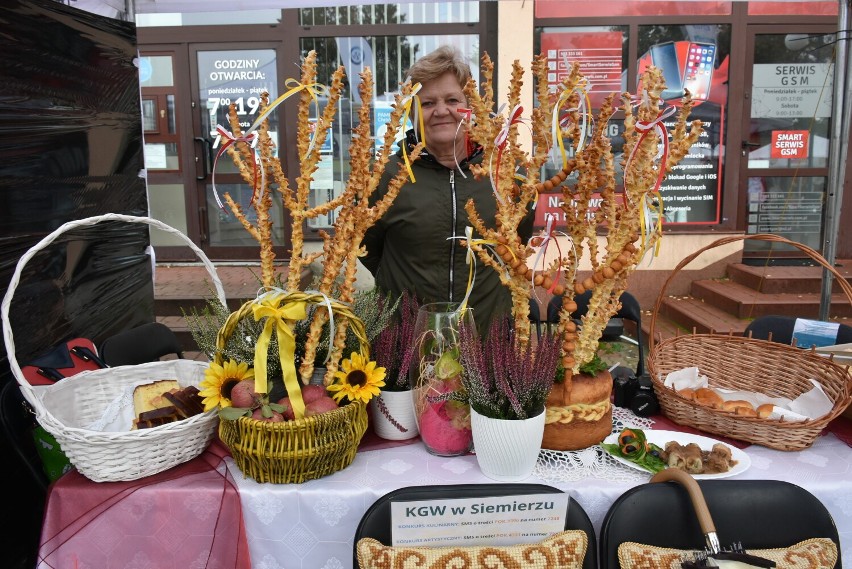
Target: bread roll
{"x":687,"y":393}
{"x":708,"y":397}
{"x":746,"y":411}
{"x":765,"y":410}
{"x":736,"y":404}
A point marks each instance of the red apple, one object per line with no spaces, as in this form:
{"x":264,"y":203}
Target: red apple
{"x":313,"y":392}
{"x":275,"y":418}
{"x":319,"y":406}
{"x":288,"y":409}
{"x":243,"y":395}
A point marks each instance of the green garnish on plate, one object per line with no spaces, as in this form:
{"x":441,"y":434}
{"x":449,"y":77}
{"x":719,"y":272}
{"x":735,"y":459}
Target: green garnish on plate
{"x":633,"y":446}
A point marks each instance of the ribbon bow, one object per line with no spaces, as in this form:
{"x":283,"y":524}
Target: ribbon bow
{"x":249,"y":138}
{"x":281,"y":320}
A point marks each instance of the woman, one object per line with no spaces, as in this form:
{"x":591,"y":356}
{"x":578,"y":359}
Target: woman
{"x":411,"y":248}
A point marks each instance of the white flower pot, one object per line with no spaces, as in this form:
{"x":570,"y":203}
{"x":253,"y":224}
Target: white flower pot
{"x":506,"y":450}
{"x":399,"y":406}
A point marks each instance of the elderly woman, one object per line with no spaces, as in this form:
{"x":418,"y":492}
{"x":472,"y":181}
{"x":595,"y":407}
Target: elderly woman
{"x":410,"y":248}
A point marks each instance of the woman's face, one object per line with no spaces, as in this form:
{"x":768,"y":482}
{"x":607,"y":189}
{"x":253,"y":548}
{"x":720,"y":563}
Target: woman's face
{"x":440,"y":100}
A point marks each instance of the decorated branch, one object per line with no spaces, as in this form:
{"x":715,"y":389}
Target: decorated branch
{"x":264,"y":172}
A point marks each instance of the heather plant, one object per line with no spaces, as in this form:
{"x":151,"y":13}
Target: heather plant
{"x":393,"y":347}
{"x":503,"y":378}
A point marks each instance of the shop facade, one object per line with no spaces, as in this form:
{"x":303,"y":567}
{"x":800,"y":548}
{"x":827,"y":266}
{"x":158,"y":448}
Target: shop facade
{"x":761,"y":73}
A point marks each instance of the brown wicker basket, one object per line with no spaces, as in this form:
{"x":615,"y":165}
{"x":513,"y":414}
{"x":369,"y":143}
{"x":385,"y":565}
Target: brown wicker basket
{"x":302,"y":449}
{"x":740,"y":363}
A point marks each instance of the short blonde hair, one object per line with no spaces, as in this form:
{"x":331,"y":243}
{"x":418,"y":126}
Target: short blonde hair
{"x":445,"y":59}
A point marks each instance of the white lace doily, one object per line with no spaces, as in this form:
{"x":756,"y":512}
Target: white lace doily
{"x":592,"y":462}
{"x":119,"y":414}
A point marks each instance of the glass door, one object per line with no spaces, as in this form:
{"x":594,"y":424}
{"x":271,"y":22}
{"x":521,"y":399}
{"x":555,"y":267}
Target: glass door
{"x":221,"y":78}
{"x":786,"y":134}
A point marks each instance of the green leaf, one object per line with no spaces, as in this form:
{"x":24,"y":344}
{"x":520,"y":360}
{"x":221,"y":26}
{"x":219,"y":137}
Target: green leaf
{"x":276,"y":407}
{"x":234,"y":413}
{"x":448,"y":366}
{"x":266,"y":411}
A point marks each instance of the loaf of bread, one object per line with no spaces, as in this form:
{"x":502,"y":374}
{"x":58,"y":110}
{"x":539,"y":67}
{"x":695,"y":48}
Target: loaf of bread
{"x":581,"y":416}
{"x":149,"y":396}
{"x":164,"y":401}
{"x":156,"y":417}
{"x":187,"y":401}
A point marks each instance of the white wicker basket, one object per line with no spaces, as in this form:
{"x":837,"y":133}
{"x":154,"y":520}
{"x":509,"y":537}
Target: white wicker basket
{"x":66,"y":407}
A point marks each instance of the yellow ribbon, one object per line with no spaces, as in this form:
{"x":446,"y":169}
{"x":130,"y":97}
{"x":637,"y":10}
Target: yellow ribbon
{"x":314,"y":89}
{"x":281,"y":320}
{"x":406,"y":103}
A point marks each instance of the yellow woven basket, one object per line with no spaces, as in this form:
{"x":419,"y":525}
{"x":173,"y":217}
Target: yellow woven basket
{"x":302,"y":449}
{"x":739,"y":363}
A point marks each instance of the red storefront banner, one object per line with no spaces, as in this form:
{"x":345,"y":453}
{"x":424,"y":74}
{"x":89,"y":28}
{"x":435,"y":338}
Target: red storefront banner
{"x":790,"y":144}
{"x":599,"y":55}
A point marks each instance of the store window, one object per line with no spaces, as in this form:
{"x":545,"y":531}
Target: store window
{"x":389,"y":57}
{"x":613,"y":8}
{"x":159,"y":119}
{"x":602,"y":52}
{"x":693,"y":58}
{"x":400,"y":13}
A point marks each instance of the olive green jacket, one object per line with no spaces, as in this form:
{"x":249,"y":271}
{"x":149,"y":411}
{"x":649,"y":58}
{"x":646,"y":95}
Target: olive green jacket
{"x":409,"y":248}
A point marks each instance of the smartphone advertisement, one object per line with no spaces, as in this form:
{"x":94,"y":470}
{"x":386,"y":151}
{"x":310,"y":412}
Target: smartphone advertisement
{"x":686,"y":66}
{"x":691,"y":191}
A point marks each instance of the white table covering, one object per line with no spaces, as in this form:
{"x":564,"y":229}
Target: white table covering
{"x":312,"y":525}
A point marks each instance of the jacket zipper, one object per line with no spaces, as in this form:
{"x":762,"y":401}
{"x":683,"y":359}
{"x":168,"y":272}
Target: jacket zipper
{"x":453,"y":231}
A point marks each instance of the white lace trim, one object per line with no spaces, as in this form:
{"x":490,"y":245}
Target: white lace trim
{"x":592,"y":462}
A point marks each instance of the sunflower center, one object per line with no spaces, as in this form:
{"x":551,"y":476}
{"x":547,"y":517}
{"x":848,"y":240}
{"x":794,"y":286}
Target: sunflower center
{"x":357,"y":378}
{"x":228,"y":385}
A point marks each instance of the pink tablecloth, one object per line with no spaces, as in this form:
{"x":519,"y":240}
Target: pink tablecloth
{"x":188,"y":516}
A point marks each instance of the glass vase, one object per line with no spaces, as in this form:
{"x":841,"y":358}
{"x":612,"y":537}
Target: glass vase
{"x":443,"y":417}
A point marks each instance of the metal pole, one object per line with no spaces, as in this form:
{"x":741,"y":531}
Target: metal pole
{"x":841,"y":104}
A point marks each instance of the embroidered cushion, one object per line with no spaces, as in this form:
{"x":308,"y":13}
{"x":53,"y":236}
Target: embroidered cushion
{"x":564,"y":550}
{"x":818,"y":553}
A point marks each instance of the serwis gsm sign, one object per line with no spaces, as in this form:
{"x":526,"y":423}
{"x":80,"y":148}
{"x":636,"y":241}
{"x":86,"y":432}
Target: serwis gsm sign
{"x":790,"y":144}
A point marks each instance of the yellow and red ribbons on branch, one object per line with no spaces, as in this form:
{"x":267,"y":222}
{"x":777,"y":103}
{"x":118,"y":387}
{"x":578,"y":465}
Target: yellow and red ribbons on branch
{"x":650,"y":195}
{"x":558,"y":123}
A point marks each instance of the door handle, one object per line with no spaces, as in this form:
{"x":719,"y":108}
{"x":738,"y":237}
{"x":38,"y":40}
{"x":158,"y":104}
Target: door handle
{"x":202,"y":224}
{"x":206,"y":149}
{"x":747,"y":144}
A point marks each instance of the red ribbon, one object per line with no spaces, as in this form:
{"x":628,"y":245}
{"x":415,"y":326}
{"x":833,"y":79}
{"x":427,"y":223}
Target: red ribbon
{"x":230,"y":139}
{"x":503,"y":137}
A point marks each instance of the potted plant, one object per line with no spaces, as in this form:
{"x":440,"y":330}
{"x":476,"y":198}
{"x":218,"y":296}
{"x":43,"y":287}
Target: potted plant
{"x":507,"y":384}
{"x":392,"y":412}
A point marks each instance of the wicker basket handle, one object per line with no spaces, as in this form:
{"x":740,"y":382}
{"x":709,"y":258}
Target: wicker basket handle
{"x":813,"y":254}
{"x":698,"y":503}
{"x":26,"y":389}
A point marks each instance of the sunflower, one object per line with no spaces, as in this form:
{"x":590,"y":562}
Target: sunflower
{"x":359,"y":379}
{"x":219,"y":380}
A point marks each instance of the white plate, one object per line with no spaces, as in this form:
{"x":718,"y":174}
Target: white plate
{"x":660,"y":438}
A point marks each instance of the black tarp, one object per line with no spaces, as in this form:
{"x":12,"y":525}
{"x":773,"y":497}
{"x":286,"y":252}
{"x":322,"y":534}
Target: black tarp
{"x":70,"y":148}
